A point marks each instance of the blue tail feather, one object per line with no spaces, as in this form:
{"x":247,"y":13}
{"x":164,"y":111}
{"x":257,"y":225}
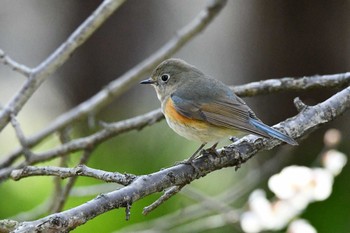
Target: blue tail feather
{"x":272,"y":132}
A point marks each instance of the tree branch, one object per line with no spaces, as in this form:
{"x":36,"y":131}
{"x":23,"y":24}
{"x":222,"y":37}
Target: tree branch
{"x":293,"y":84}
{"x":237,"y":153}
{"x":203,"y":208}
{"x":60,"y":199}
{"x":6,"y":60}
{"x":166,"y":195}
{"x":20,"y":136}
{"x":58,"y":191}
{"x":40,"y":73}
{"x":80,"y":170}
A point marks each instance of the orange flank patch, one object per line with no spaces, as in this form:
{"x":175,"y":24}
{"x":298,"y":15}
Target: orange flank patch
{"x":174,"y":116}
{"x":193,"y":129}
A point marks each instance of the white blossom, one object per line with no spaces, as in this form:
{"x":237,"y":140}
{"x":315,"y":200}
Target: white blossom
{"x":334,"y":161}
{"x":332,"y":137}
{"x":300,"y":226}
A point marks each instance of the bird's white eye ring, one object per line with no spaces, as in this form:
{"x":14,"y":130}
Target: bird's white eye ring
{"x":165,"y":77}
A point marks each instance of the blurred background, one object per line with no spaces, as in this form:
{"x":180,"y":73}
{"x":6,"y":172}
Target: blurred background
{"x":249,"y":41}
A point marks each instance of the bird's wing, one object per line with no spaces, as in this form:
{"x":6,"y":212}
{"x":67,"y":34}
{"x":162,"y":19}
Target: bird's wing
{"x":220,"y":111}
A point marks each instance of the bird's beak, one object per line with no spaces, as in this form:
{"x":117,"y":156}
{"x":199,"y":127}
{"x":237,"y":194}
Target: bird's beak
{"x":148,"y":81}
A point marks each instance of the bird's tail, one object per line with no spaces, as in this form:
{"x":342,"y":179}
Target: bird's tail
{"x":272,"y":132}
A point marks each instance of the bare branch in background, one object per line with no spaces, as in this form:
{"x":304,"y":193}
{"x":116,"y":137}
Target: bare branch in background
{"x":59,"y":202}
{"x":44,"y":70}
{"x":80,"y":170}
{"x":166,"y":195}
{"x":293,"y":84}
{"x":21,"y":138}
{"x":58,"y":184}
{"x":6,"y":60}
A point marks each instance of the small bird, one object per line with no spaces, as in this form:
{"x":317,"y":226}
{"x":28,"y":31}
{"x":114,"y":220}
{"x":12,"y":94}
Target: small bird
{"x":204,"y":109}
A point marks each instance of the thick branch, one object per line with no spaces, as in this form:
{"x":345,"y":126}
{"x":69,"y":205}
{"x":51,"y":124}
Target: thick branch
{"x":234,"y":155}
{"x":40,"y":73}
{"x":204,"y":207}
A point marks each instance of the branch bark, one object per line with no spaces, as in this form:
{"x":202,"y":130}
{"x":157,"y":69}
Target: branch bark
{"x":237,"y":153}
{"x":293,"y":84}
{"x":80,"y":170}
{"x":6,"y":60}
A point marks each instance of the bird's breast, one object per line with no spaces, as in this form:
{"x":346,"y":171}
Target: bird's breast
{"x":193,"y":129}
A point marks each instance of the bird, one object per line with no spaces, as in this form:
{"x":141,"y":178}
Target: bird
{"x":203,"y":109}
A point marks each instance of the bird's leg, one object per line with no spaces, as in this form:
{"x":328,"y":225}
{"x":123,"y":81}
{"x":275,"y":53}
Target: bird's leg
{"x":190,"y":159}
{"x":196,"y":153}
{"x":212,"y":149}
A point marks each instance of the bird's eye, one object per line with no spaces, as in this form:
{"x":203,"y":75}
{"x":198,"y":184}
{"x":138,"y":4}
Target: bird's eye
{"x":165,"y":77}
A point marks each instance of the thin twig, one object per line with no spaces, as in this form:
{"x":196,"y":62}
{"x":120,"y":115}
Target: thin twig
{"x":15,"y":66}
{"x":21,"y":138}
{"x":293,"y":84}
{"x":58,"y":190}
{"x":71,"y":181}
{"x":166,"y":195}
{"x":110,"y":130}
{"x":299,"y":105}
{"x":127,"y":211}
{"x":44,"y":70}
{"x":195,"y":194}
{"x":80,"y":170}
